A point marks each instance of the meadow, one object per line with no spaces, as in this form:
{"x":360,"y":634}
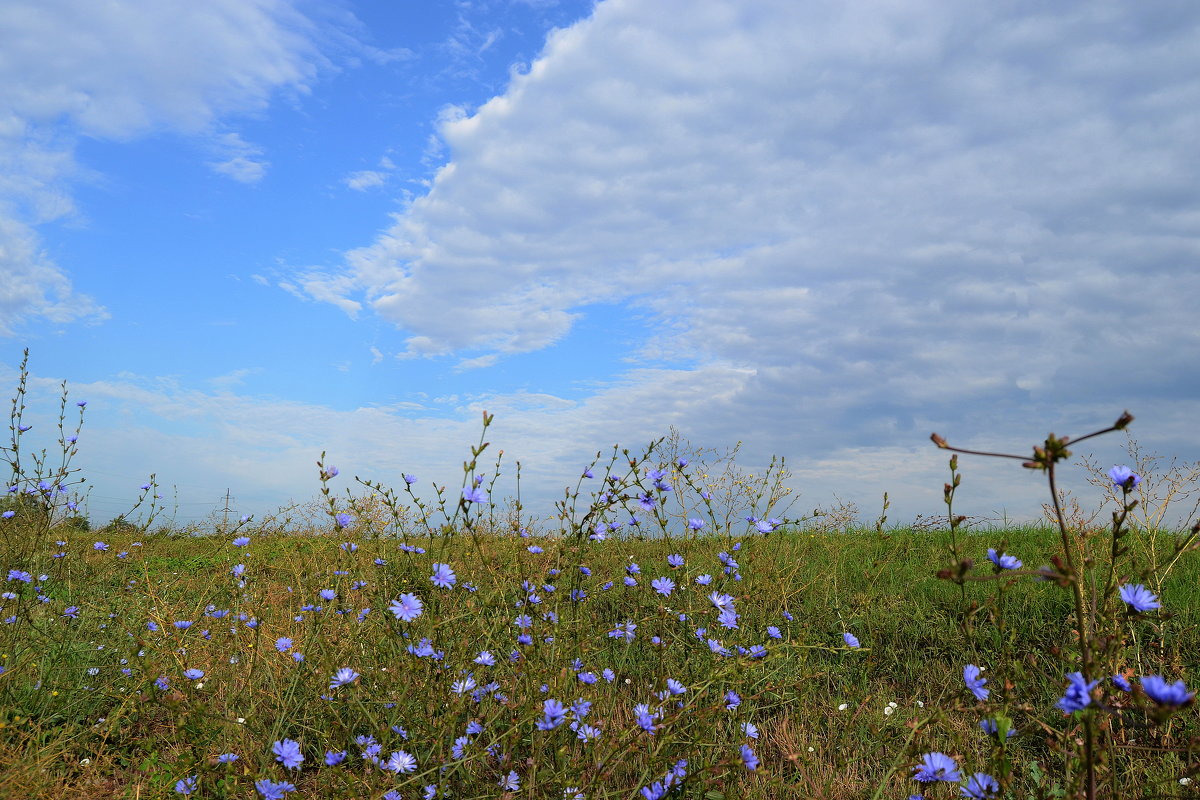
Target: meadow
{"x":670,"y":632}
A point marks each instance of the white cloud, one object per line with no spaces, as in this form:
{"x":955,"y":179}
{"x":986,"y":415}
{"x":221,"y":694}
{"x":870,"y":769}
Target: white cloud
{"x":72,"y":68}
{"x":32,"y":286}
{"x":882,"y":219}
{"x":241,"y":160}
{"x":365,"y":179}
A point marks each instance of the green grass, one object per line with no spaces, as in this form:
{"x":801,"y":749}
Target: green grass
{"x":68,"y":733}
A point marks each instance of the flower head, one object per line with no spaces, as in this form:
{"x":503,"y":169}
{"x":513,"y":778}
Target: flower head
{"x":981,"y":786}
{"x":1166,"y":694}
{"x":1139,"y":598}
{"x":975,"y":683}
{"x":1003,"y":561}
{"x":443,"y":576}
{"x":273,"y":791}
{"x":1078,"y":695}
{"x":342,"y":677}
{"x":400,"y":761}
{"x":407,"y":607}
{"x":936,"y":767}
{"x":663,"y":586}
{"x":1124,"y":478}
{"x":749,"y":759}
{"x":850,"y":639}
{"x":287,"y":752}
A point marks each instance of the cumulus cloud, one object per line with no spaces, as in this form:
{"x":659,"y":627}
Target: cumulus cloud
{"x":72,"y":68}
{"x":878,"y":219}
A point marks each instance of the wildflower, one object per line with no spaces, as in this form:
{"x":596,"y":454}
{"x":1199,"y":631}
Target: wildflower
{"x":328,"y":594}
{"x":193,"y":674}
{"x":663,"y":586}
{"x":9,"y":514}
{"x":981,"y":786}
{"x":409,"y":478}
{"x":553,"y":715}
{"x":1078,"y":695}
{"x":333,"y":758}
{"x":992,"y":728}
{"x":1124,"y":478}
{"x":850,"y":639}
{"x":675,"y":560}
{"x":273,"y":791}
{"x":675,"y":687}
{"x":443,"y":577}
{"x":241,"y":541}
{"x":535,"y":549}
{"x":400,"y":761}
{"x":407,"y":607}
{"x":975,"y":683}
{"x":624,"y":630}
{"x":732,"y":700}
{"x":463,"y":686}
{"x":655,"y":791}
{"x":645,"y":718}
{"x":695,"y":524}
{"x":749,"y":758}
{"x":936,"y":767}
{"x":342,"y":677}
{"x":750,"y":730}
{"x":182,"y":624}
{"x":485,"y":658}
{"x":227,"y":758}
{"x":1121,"y":683}
{"x":1002,"y":561}
{"x":186,"y":785}
{"x":474,"y":494}
{"x":287,"y":752}
{"x":1173,"y":695}
{"x":161,"y":683}
{"x":19,"y":575}
{"x":573,"y":793}
{"x":704,"y":580}
{"x":1139,"y":598}
{"x":512,"y":781}
{"x":585,"y":733}
{"x":101,"y":546}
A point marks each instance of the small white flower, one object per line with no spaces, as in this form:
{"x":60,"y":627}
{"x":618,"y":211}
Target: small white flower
{"x":241,"y":720}
{"x":843,"y":706}
{"x":83,"y":762}
{"x":1185,"y":781}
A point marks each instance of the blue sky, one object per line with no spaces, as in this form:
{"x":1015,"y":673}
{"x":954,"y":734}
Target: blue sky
{"x":247,"y":231}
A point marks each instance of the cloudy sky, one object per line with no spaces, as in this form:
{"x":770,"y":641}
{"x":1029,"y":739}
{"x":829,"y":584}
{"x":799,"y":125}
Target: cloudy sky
{"x":246,"y":231}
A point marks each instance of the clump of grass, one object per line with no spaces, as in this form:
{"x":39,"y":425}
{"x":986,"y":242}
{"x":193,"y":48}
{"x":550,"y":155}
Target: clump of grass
{"x":646,"y":642}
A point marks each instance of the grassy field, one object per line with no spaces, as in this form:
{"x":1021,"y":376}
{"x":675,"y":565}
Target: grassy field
{"x":95,"y":698}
